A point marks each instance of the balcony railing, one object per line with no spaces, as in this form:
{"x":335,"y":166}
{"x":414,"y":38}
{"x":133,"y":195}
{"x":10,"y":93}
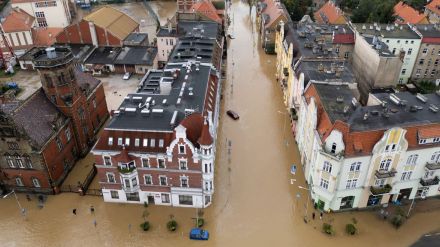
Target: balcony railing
{"x":385,"y":174}
{"x":429,"y":182}
{"x":131,"y":189}
{"x":126,"y":170}
{"x":432,"y":166}
{"x":380,"y":190}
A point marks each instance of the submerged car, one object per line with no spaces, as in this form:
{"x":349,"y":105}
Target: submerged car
{"x":233,"y":114}
{"x":126,"y":76}
{"x":198,"y":234}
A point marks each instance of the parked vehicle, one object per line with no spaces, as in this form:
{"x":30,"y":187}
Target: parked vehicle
{"x":126,"y":76}
{"x":233,"y":114}
{"x":198,"y":234}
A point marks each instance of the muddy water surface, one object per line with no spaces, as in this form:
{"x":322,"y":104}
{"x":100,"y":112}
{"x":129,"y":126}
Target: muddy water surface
{"x":255,"y":202}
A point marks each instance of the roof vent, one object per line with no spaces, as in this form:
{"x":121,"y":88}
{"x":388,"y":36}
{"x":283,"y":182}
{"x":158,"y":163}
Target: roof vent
{"x":366,"y":116}
{"x":164,"y":102}
{"x":364,"y":27}
{"x":340,"y":99}
{"x":51,"y":53}
{"x":374,"y":113}
{"x":422,"y":97}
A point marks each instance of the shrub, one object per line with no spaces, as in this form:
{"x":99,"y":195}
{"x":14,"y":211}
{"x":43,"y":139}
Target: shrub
{"x":397,"y":221}
{"x":350,"y":229}
{"x":200,"y":222}
{"x":145,"y":204}
{"x":328,"y":228}
{"x":172,"y":225}
{"x":145,"y":226}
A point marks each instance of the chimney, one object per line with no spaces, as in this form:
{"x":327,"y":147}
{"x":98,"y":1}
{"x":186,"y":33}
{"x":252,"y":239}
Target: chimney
{"x":50,"y":52}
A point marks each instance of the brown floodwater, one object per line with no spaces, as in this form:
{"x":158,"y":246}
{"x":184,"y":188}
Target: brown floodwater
{"x":255,"y":201}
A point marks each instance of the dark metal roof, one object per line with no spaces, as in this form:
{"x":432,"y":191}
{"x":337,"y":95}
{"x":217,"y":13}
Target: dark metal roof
{"x":137,"y":55}
{"x":103,"y":55}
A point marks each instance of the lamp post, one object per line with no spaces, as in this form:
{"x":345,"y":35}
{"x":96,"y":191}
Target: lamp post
{"x":22,"y":210}
{"x":307,"y":204}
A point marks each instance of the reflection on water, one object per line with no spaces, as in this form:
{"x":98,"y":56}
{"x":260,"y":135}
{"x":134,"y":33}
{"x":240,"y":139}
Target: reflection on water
{"x":255,"y":203}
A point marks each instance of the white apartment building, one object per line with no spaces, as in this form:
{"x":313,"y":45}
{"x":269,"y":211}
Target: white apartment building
{"x":54,"y":13}
{"x":360,"y":156}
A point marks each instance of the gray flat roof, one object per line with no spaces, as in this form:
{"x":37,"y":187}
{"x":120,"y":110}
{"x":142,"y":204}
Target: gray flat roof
{"x":192,"y":48}
{"x":326,"y":71}
{"x":163,"y":103}
{"x":103,"y":55}
{"x":393,"y":31}
{"x":428,"y":30}
{"x":413,"y":111}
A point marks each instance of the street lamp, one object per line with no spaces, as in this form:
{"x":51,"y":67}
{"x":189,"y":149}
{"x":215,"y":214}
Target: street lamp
{"x":308,"y":198}
{"x":22,"y":210}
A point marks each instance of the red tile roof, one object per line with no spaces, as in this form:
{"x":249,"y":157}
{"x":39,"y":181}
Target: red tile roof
{"x":429,"y":132}
{"x":18,"y":20}
{"x":45,"y":36}
{"x":193,"y":124}
{"x":123,"y":157}
{"x":205,"y":137}
{"x":207,"y":9}
{"x":343,"y":39}
{"x":434,"y":6}
{"x":329,"y":13}
{"x":407,"y":14}
{"x":273,"y":10}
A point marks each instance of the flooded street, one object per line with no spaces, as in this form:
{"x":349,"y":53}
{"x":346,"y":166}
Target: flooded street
{"x":255,"y":202}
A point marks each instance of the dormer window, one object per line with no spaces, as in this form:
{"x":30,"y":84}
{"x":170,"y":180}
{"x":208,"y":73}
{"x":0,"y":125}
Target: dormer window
{"x":333,"y":150}
{"x":110,"y":141}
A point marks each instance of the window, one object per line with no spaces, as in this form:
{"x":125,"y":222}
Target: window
{"x":403,"y":71}
{"x":136,"y":142}
{"x":39,"y":14}
{"x":28,"y":161}
{"x":355,"y":167}
{"x":10,"y":161}
{"x":348,"y":185}
{"x":409,"y":51}
{"x":436,"y":62}
{"x":81,"y":113}
{"x":346,"y":55}
{"x":160,"y":163}
{"x":19,"y":181}
{"x":19,"y":161}
{"x":412,"y":41}
{"x":398,"y":41}
{"x":127,"y":141}
{"x":385,"y":164}
{"x":114,"y":194}
{"x":183,"y":165}
{"x":394,"y":51}
{"x":412,"y":159}
{"x":165,"y":198}
{"x":68,"y":135}
{"x":379,"y":182}
{"x":425,"y":50}
{"x":148,"y":179}
{"x":327,"y":167}
{"x":406,"y":175}
{"x":353,"y":183}
{"x":337,"y":49}
{"x":111,"y":178}
{"x":153,"y":143}
{"x":422,"y":141}
{"x":206,"y":168}
{"x":400,"y":80}
{"x":145,"y":162}
{"x":161,"y":142}
{"x":119,"y":141}
{"x":59,"y":144}
{"x":163,"y":180}
{"x":324,"y":183}
{"x":145,"y":144}
{"x":36,"y":182}
{"x":185,"y":200}
{"x":333,"y":150}
{"x":127,"y":183}
{"x":107,"y":161}
{"x":435,"y":157}
{"x":406,"y":41}
{"x":181,"y":149}
{"x":433,"y":72}
{"x":184,"y":182}
{"x":134,"y":182}
{"x":421,"y":61}
{"x":388,"y":41}
{"x":110,"y":141}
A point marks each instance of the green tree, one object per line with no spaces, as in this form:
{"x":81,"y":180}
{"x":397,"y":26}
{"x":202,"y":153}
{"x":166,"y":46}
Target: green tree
{"x":380,"y":11}
{"x":297,"y":8}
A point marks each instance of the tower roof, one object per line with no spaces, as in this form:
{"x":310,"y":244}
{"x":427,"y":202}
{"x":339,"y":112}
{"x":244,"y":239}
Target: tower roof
{"x":205,"y":137}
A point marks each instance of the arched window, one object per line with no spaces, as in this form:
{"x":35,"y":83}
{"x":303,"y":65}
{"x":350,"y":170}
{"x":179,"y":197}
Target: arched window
{"x":27,"y":161}
{"x":36,"y":182}
{"x":19,"y":181}
{"x":19,"y":161}
{"x":9,"y":160}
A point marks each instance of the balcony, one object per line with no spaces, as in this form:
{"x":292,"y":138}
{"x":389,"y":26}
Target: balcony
{"x":429,"y":182}
{"x":385,"y":174}
{"x":126,"y":171}
{"x":432,"y":166}
{"x":380,"y":190}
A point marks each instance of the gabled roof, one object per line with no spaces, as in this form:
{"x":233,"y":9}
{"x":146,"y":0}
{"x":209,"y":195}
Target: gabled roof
{"x":272,"y":12}
{"x":434,"y":6}
{"x":406,"y":14}
{"x":116,"y":22}
{"x":207,"y":9}
{"x":45,"y":36}
{"x":329,"y":13}
{"x":18,"y":20}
